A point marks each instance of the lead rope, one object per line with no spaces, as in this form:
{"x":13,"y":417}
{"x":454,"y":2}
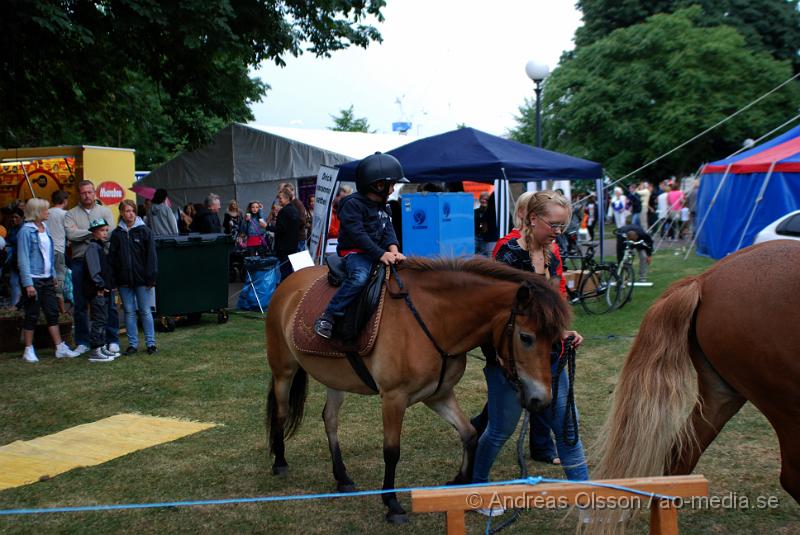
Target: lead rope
{"x":567,"y":360}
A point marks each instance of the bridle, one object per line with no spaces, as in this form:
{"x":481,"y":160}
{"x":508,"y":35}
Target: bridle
{"x":509,"y":363}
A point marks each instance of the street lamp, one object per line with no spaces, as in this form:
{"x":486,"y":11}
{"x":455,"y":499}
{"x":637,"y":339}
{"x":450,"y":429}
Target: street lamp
{"x":537,"y":72}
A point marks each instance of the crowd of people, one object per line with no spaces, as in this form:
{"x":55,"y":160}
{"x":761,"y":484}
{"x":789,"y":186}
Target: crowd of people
{"x":665,"y":208}
{"x":49,"y":248}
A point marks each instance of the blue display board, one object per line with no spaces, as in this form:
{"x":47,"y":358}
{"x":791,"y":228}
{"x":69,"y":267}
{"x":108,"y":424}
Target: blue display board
{"x":438,"y":224}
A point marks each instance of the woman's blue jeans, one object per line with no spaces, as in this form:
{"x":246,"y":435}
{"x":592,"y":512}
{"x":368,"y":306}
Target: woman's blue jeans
{"x":133,"y":299}
{"x":504,"y":413}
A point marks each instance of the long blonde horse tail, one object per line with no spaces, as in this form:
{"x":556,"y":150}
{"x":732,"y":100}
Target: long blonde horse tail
{"x":654,"y":395}
{"x":657,"y":389}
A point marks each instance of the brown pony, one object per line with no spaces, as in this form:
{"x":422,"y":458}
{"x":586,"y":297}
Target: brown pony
{"x":464,"y":303}
{"x":738,"y":326}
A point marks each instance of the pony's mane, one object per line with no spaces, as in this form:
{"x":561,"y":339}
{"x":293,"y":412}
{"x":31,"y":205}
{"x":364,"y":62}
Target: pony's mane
{"x":477,"y":265}
{"x":551,"y":311}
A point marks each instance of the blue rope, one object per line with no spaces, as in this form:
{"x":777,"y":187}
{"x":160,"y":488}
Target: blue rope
{"x":330,"y":495}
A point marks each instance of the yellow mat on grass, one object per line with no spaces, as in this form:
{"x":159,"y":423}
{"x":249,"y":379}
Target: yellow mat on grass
{"x":27,"y":461}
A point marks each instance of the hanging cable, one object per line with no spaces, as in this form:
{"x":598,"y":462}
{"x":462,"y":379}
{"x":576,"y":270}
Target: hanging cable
{"x":707,"y":130}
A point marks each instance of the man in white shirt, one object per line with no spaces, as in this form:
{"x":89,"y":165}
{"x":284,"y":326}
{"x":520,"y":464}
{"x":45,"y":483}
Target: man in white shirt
{"x":76,"y":223}
{"x":55,"y":224}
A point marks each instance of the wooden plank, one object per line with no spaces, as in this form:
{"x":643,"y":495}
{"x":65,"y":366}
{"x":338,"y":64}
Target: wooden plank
{"x":570,"y":493}
{"x":456,"y":523}
{"x":663,"y":519}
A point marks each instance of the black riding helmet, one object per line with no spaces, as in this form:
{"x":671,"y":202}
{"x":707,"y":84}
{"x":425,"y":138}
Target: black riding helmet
{"x":377,"y":167}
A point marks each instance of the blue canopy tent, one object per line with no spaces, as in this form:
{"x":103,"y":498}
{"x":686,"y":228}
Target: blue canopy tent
{"x":742,"y":194}
{"x":469,"y":154}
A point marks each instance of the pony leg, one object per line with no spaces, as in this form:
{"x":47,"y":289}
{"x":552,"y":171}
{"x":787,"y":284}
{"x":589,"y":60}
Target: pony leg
{"x":285,"y":402}
{"x":448,"y":408}
{"x":277,"y":411}
{"x":717,"y":403}
{"x":330,"y":415}
{"x":790,"y":460}
{"x":394,"y":408}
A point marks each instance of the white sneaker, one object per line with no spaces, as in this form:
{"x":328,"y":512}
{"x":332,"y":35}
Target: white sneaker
{"x":81,"y":349}
{"x":97,"y":355}
{"x":63,"y":350}
{"x":106,"y":350}
{"x":29,"y":355}
{"x":114,"y":348}
{"x":491,"y":511}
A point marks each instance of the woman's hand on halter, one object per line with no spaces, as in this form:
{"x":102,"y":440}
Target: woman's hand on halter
{"x":578,"y":339}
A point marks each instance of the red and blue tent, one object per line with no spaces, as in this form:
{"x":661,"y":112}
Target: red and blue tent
{"x":742,"y":194}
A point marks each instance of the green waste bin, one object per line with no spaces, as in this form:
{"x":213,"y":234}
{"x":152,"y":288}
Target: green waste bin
{"x":192,"y":276}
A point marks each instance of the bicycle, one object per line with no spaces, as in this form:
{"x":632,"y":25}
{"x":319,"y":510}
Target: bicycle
{"x":597,"y":285}
{"x":625,"y":272}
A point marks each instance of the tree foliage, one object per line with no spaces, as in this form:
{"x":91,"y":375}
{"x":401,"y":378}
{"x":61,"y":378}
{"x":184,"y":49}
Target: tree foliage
{"x":158,"y":76}
{"x":347,"y":121}
{"x":768,"y":25}
{"x":643,"y":90}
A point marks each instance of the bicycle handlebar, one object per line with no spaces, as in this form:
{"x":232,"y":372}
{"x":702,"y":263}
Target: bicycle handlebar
{"x":629,"y":243}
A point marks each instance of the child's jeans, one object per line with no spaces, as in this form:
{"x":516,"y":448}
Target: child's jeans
{"x":358,"y":268}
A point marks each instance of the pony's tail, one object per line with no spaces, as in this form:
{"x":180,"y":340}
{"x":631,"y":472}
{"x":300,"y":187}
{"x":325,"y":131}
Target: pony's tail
{"x":656,"y":391}
{"x":294,"y":417}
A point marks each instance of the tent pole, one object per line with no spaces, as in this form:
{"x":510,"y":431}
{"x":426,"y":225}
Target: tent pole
{"x":28,"y":180}
{"x":501,"y":204}
{"x":755,"y":204}
{"x":708,"y":211}
{"x":601,"y":214}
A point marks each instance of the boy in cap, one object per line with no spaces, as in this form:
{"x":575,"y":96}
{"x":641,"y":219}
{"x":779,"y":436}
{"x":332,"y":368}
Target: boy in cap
{"x":97,"y":285}
{"x":366,"y":234}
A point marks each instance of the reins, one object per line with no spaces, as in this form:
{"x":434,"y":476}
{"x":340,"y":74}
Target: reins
{"x":403,"y":293}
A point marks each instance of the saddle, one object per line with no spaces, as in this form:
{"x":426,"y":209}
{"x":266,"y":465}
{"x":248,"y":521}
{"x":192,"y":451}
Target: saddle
{"x":357,"y":332}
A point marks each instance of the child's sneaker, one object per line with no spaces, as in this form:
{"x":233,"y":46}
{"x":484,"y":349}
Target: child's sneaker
{"x":107,"y":351}
{"x":151,"y":350}
{"x":63,"y":351}
{"x":29,"y":355}
{"x":324,"y":326}
{"x":81,"y":349}
{"x":97,"y":355}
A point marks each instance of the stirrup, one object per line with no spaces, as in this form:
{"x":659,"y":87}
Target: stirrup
{"x":324,"y":327}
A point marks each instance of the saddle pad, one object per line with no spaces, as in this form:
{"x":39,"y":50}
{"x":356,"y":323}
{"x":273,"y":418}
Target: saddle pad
{"x":311,"y":307}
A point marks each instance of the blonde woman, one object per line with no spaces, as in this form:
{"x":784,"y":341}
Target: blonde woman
{"x":232,"y":222}
{"x":36,"y":262}
{"x":547,"y":214}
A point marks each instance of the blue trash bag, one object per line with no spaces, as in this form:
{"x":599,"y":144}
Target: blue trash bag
{"x":262,"y":274}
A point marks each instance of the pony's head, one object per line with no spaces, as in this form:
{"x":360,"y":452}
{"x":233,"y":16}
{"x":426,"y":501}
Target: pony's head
{"x":524,"y":333}
{"x":537,"y":319}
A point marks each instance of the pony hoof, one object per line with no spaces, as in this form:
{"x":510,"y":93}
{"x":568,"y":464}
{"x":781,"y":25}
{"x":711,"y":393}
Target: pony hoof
{"x":279,"y":470}
{"x":458,"y":480}
{"x":397,"y":518}
{"x":345,"y":487}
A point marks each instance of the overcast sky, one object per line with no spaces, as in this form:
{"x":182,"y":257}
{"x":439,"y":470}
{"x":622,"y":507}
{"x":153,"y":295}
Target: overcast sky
{"x":448,"y":61}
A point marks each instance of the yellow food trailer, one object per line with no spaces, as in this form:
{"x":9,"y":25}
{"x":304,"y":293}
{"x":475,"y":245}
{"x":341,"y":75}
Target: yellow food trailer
{"x":39,"y":171}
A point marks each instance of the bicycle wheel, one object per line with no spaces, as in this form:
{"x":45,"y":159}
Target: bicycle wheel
{"x":626,"y":280}
{"x":600,"y":290}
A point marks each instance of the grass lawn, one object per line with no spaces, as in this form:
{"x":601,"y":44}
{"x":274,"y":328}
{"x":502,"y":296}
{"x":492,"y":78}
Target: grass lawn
{"x":219,"y":374}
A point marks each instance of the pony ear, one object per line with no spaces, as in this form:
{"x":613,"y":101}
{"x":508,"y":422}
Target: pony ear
{"x":523,"y":295}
